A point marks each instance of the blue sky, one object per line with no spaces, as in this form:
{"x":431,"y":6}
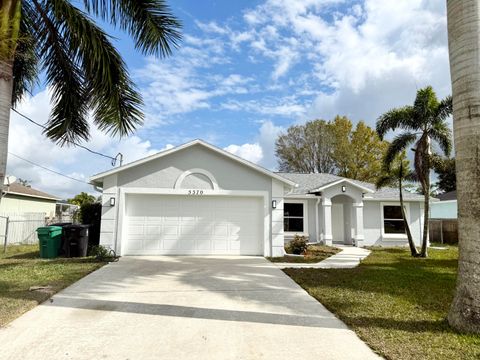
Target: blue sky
{"x":246,"y":70}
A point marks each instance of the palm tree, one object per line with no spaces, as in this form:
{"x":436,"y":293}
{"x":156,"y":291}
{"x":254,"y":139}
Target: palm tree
{"x":82,"y":68}
{"x":464,"y":40}
{"x":394,"y":173}
{"x":422,"y":122}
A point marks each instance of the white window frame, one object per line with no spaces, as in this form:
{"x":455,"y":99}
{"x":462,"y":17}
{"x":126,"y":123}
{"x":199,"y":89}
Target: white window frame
{"x":305,"y":216}
{"x":388,"y":236}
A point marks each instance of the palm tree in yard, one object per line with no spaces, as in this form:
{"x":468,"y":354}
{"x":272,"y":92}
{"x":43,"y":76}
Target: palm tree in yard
{"x":423,"y":122}
{"x":464,"y":47}
{"x":395,"y":173}
{"x":85,"y":73}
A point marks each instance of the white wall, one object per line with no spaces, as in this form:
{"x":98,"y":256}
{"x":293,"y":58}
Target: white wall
{"x":444,"y":209}
{"x":22,"y":204}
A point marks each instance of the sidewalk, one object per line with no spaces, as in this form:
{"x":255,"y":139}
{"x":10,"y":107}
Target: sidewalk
{"x":349,"y":257}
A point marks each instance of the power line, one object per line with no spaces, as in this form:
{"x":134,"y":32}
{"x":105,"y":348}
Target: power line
{"x":45,"y":168}
{"x":114,"y":159}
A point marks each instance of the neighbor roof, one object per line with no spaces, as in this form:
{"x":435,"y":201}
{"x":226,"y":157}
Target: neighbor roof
{"x":309,"y":183}
{"x":247,"y":163}
{"x":451,"y":195}
{"x":21,"y":190}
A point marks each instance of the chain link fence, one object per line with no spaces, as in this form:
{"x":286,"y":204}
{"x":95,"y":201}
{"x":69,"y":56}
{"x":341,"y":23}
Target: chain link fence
{"x":20,"y":228}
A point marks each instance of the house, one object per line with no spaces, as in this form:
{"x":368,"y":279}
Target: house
{"x":19,"y":199}
{"x":446,"y":208}
{"x":199,"y":199}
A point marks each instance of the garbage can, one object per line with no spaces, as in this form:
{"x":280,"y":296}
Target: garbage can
{"x":61,"y":251}
{"x":49,"y":238}
{"x":75,"y":242}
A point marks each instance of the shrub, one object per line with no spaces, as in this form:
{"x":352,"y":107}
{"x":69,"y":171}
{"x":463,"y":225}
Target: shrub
{"x":297,"y":246}
{"x":101,"y":253}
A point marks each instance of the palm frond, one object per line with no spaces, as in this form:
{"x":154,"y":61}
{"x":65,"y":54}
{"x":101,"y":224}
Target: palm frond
{"x":150,"y":22}
{"x":115,"y":102}
{"x":25,"y":64}
{"x":425,"y":106}
{"x":400,"y":118}
{"x":445,"y":108}
{"x":68,"y":119}
{"x":442,"y":134}
{"x":386,"y":180}
{"x":397,"y":146}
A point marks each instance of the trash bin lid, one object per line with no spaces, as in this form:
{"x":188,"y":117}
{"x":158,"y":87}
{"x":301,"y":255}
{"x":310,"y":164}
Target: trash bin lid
{"x":45,"y":230}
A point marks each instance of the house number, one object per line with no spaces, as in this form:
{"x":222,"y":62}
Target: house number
{"x":195,"y":192}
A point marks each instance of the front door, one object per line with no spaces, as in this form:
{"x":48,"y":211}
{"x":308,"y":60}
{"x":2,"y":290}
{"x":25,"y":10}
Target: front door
{"x":337,"y":224}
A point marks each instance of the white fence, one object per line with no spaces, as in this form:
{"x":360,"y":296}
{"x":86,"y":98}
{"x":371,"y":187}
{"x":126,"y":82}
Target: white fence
{"x":20,"y":228}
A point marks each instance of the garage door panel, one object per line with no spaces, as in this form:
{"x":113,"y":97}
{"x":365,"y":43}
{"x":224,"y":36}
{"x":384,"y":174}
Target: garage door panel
{"x":171,"y":224}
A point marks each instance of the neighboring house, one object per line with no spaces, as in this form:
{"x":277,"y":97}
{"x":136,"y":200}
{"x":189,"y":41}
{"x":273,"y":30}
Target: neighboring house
{"x":446,"y":208}
{"x":199,"y":199}
{"x":24,"y":199}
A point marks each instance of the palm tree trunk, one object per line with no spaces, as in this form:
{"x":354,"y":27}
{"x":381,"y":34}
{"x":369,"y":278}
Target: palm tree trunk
{"x":464,"y":40}
{"x":6,"y":82}
{"x":426,"y":213}
{"x":411,"y":244}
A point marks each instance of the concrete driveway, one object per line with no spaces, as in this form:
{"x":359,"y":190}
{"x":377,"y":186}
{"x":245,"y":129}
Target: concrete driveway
{"x":182,"y":308}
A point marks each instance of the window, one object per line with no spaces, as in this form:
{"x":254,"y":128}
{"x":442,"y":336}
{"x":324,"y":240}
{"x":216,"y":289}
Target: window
{"x":293,"y":217}
{"x":392,"y":220}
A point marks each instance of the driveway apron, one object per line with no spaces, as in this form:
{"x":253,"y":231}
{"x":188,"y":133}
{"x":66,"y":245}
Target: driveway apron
{"x":182,"y":307}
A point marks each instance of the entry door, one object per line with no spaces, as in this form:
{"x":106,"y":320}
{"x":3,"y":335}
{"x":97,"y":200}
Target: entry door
{"x":337,"y":223}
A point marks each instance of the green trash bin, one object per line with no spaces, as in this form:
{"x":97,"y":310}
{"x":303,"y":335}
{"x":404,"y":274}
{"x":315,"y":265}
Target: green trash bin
{"x":49,"y":238}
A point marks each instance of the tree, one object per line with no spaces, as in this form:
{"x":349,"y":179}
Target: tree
{"x":306,"y":148}
{"x":464,"y":39}
{"x":332,"y":147}
{"x":394,"y":174}
{"x":422,"y":122}
{"x":82,"y":199}
{"x":445,"y":169}
{"x":82,"y":68}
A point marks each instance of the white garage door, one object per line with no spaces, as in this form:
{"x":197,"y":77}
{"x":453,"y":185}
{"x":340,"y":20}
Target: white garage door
{"x":178,"y":224}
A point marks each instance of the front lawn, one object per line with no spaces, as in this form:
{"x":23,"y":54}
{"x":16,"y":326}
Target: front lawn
{"x":20,"y":268}
{"x":313,"y":254}
{"x":396,"y":304}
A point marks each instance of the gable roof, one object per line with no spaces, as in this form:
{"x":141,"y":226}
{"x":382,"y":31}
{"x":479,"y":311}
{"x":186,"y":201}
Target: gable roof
{"x":97,"y":177}
{"x":21,"y":190}
{"x":309,"y":183}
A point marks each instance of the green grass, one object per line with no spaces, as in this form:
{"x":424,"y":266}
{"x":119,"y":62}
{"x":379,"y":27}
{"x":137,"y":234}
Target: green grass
{"x":314,"y":254}
{"x":397,"y":304}
{"x":21,"y":268}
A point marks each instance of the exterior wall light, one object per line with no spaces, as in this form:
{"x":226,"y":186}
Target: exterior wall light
{"x":344,"y":188}
{"x":274,"y":204}
{"x":112,"y":201}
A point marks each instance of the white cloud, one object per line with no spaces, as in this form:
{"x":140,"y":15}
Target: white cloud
{"x":250,"y":152}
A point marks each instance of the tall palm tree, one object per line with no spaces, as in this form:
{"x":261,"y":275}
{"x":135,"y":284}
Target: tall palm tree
{"x":464,"y":40}
{"x":422,"y":122}
{"x":394,"y":173}
{"x":82,"y":68}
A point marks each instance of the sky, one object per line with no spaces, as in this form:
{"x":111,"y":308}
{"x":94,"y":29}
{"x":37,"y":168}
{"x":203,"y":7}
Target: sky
{"x":246,"y":71}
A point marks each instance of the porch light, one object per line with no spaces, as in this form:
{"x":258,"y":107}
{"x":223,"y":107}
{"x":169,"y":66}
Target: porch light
{"x":274,"y":204}
{"x":344,"y":188}
{"x":112,"y":201}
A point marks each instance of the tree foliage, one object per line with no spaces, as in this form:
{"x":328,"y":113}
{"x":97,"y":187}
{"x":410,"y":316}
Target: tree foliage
{"x":445,"y":169}
{"x":82,"y":199}
{"x":335,"y":147}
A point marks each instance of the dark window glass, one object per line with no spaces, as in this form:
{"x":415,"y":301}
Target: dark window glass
{"x":293,"y":224}
{"x":394,"y":227}
{"x":293,"y":210}
{"x":392,"y":212}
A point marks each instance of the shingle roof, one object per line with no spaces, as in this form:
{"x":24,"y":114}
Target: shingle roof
{"x":19,"y":189}
{"x":451,"y":195}
{"x":309,"y":182}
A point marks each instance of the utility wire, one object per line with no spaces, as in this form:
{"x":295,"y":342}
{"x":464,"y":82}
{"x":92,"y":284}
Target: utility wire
{"x":114,"y":159}
{"x":45,"y":168}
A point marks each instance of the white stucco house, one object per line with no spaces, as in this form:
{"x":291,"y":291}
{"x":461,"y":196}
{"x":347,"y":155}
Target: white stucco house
{"x":199,"y":199}
{"x":18,"y":199}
